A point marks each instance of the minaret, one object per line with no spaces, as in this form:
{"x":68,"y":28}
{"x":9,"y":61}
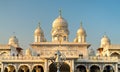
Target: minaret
{"x":60,"y":29}
{"x":39,"y":35}
{"x":81,"y":35}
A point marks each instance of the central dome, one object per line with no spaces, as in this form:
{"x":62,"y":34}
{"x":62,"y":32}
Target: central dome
{"x":59,"y":22}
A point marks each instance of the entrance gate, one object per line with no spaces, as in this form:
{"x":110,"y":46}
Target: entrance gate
{"x":64,"y":67}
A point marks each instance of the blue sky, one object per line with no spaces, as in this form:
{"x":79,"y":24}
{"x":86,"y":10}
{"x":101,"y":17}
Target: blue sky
{"x":22,"y":17}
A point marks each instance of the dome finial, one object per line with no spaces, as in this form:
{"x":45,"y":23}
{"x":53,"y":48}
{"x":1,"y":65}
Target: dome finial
{"x":39,"y":24}
{"x":81,"y":24}
{"x":60,"y":12}
{"x":105,"y":35}
{"x":13,"y":33}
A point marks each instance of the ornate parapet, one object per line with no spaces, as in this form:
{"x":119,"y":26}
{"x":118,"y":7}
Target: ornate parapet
{"x":99,"y":59}
{"x":21,"y":59}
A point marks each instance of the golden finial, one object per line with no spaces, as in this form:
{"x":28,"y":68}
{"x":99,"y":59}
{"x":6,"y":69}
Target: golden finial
{"x":13,"y":33}
{"x":39,"y":25}
{"x":60,"y":12}
{"x":81,"y":24}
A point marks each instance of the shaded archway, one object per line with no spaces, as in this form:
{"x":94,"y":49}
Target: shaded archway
{"x":64,"y":67}
{"x":94,"y":68}
{"x":118,"y":69}
{"x":108,"y":68}
{"x":9,"y":68}
{"x":5,"y":70}
{"x":38,"y":68}
{"x":81,"y":68}
{"x":23,"y":68}
{"x":115,"y":55}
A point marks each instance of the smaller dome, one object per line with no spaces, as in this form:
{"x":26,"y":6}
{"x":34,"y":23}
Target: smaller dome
{"x":28,"y":52}
{"x":105,"y":39}
{"x":38,"y":30}
{"x":81,"y":31}
{"x":13,"y":40}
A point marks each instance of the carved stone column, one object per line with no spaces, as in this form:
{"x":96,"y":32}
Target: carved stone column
{"x":72,"y":68}
{"x":2,"y":68}
{"x":116,"y":68}
{"x":46,"y":66}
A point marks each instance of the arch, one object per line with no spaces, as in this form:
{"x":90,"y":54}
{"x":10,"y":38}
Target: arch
{"x":115,"y":54}
{"x":108,"y":68}
{"x":94,"y":68}
{"x":23,"y":68}
{"x":118,"y":69}
{"x":63,"y":68}
{"x":10,"y":68}
{"x":38,"y":68}
{"x":4,"y":53}
{"x":81,"y":68}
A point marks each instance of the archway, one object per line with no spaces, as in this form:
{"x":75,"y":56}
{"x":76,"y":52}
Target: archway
{"x":115,"y":55}
{"x":81,"y":68}
{"x":64,"y":67}
{"x":108,"y":68}
{"x":94,"y":68}
{"x":9,"y":68}
{"x":5,"y":70}
{"x":38,"y":68}
{"x":23,"y":68}
{"x":118,"y":69}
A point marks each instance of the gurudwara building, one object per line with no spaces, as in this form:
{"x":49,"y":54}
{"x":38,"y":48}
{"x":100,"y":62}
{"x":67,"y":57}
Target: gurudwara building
{"x":60,"y":55}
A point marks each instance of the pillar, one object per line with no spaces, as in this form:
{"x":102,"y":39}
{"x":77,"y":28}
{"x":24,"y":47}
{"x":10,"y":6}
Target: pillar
{"x":116,"y":68}
{"x":46,"y":66}
{"x":2,"y":68}
{"x":72,"y":68}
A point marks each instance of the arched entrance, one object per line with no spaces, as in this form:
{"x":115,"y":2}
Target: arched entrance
{"x":108,"y":68}
{"x":118,"y":69}
{"x":9,"y":68}
{"x":94,"y":68}
{"x":64,"y":67}
{"x":23,"y":68}
{"x":38,"y":68}
{"x":115,"y":55}
{"x":81,"y":68}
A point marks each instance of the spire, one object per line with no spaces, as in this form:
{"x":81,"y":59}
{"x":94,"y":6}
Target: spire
{"x":60,"y":12}
{"x":81,"y":24}
{"x":39,"y":25}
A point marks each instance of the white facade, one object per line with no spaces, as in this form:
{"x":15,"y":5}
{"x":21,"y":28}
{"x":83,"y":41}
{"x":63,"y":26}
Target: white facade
{"x":60,"y":54}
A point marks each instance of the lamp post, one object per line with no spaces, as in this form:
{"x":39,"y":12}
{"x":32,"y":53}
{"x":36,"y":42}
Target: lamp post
{"x":58,"y":59}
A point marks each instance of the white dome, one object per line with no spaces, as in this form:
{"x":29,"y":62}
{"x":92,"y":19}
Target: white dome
{"x":13,"y":40}
{"x":59,"y":22}
{"x":38,"y":31}
{"x":105,"y":39}
{"x":81,"y":31}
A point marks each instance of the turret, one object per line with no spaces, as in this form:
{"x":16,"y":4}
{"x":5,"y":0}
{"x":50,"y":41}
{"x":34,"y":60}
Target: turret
{"x":39,"y":35}
{"x":105,"y":41}
{"x":28,"y":52}
{"x":13,"y":41}
{"x":81,"y":35}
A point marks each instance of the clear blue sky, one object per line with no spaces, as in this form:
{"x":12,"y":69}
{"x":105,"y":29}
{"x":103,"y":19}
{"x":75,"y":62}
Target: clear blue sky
{"x":22,"y":17}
